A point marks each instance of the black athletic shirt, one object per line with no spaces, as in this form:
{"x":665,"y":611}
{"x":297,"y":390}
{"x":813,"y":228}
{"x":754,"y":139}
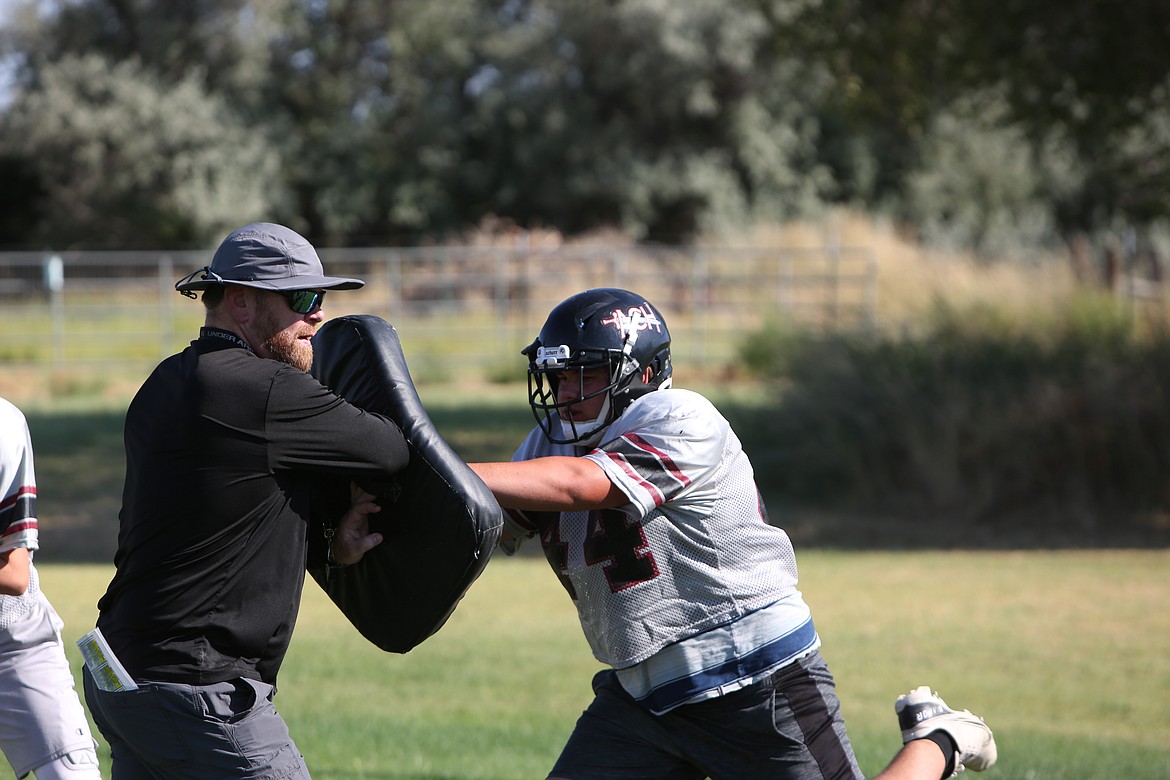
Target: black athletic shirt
{"x":222,"y":451}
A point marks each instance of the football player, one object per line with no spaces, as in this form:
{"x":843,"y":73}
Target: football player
{"x":647,"y":509}
{"x":43,"y":729}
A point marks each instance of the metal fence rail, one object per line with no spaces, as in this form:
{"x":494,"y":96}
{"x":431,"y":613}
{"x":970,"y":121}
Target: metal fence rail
{"x":456,"y":308}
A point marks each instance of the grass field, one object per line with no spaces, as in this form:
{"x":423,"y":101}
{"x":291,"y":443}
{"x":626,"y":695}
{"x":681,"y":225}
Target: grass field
{"x":1064,"y":653}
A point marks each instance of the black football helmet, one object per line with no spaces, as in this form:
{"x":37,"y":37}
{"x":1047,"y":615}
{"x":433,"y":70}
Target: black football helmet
{"x":603,"y":327}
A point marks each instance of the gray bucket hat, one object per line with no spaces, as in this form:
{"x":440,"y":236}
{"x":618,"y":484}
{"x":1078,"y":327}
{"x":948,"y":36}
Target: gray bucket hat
{"x":267,"y":256}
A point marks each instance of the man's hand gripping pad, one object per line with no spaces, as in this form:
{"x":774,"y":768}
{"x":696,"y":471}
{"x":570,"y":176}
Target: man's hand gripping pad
{"x":440,"y":522}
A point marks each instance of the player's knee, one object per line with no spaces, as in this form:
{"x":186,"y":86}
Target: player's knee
{"x":74,"y":765}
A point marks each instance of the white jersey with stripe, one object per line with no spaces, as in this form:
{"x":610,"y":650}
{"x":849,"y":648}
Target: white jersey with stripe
{"x":692,"y":551}
{"x":18,"y":518}
{"x":18,"y":485}
{"x":41,"y":718}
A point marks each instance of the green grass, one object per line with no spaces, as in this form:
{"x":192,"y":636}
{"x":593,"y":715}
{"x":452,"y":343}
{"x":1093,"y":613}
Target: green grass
{"x":1064,"y":654}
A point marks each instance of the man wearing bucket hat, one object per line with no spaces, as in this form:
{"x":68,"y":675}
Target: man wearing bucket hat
{"x":223,"y":443}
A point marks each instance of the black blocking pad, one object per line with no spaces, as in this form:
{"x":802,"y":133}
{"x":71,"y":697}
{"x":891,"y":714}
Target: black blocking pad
{"x":439,"y":520}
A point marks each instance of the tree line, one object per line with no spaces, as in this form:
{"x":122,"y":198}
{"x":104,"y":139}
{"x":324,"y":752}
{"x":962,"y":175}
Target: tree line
{"x":1022,"y":127}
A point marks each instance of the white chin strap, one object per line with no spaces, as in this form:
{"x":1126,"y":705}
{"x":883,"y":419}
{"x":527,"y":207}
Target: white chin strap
{"x":591,"y":430}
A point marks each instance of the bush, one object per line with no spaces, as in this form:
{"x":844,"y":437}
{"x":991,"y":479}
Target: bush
{"x":982,"y":186}
{"x":1061,"y":424}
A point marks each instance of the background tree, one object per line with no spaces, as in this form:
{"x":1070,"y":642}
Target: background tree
{"x":120,"y":160}
{"x":394,"y":121}
{"x":405,"y":120}
{"x":664,"y":119}
{"x":1081,"y":82}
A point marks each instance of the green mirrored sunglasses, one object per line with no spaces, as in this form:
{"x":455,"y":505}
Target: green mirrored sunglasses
{"x":304,"y":301}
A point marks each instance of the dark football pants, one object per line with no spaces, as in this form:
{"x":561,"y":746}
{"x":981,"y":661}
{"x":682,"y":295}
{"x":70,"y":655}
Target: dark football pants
{"x":195,"y":732}
{"x":788,"y":726}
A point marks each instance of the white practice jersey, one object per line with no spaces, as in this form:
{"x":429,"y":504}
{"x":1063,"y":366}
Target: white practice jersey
{"x":41,"y":718}
{"x":691,"y":551}
{"x":18,"y":519}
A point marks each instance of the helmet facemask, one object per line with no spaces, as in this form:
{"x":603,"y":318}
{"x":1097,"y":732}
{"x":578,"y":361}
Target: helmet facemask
{"x":550,"y":367}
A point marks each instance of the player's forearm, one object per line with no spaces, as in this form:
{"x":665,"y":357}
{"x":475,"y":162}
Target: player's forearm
{"x":550,"y":484}
{"x":14,"y":572}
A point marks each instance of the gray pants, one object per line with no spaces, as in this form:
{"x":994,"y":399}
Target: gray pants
{"x":195,"y":732}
